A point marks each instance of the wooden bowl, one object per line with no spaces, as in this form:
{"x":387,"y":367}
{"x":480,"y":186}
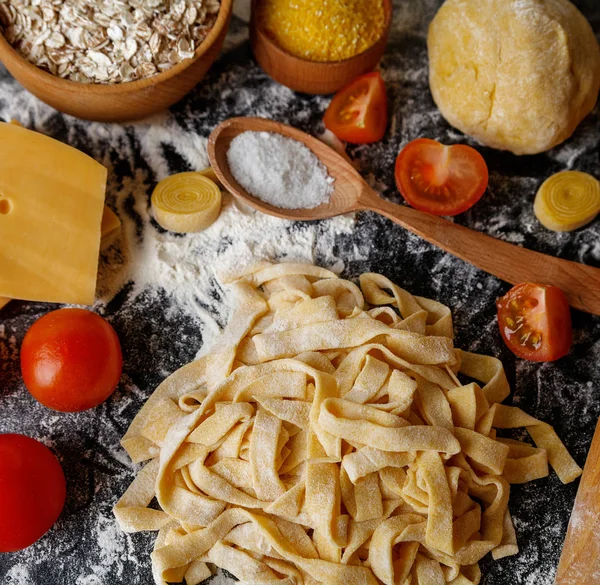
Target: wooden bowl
{"x":313,"y":77}
{"x":120,"y":102}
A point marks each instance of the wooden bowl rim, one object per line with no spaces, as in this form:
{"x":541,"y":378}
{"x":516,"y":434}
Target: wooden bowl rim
{"x":9,"y":53}
{"x":388,"y":10}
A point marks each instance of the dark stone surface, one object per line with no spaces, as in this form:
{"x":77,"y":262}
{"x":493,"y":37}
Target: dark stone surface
{"x":85,"y":548}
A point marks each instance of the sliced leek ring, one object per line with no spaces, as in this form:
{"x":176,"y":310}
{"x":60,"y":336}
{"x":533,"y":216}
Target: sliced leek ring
{"x":567,"y":201}
{"x":186,"y":202}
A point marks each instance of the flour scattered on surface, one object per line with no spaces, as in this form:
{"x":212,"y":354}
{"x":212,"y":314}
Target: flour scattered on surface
{"x":19,"y":575}
{"x":187,"y":269}
{"x":112,"y":546}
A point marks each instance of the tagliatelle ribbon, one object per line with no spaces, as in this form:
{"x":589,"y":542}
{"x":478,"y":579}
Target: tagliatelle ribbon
{"x":326,"y":439}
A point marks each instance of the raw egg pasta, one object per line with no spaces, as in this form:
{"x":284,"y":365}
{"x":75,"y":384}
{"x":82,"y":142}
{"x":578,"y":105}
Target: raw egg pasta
{"x":328,"y":439}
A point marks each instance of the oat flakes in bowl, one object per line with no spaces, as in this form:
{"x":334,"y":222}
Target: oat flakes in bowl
{"x":110,"y":41}
{"x":111,"y":60}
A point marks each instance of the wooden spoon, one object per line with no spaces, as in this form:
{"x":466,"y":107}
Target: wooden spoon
{"x":580,"y":283}
{"x":580,"y":559}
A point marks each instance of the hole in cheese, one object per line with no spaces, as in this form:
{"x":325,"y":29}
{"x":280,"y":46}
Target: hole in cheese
{"x":5,"y":207}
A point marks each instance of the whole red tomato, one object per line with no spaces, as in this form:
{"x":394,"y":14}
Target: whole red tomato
{"x":32,"y":491}
{"x":71,"y":360}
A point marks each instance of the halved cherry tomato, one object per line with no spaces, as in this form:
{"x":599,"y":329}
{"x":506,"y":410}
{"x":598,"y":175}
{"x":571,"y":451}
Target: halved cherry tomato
{"x":71,"y":360}
{"x":358,"y":112}
{"x":535,"y":322}
{"x":32,"y":491}
{"x":440,"y":179}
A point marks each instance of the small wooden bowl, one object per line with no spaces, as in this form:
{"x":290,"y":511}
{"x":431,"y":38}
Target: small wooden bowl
{"x":120,"y":102}
{"x":313,"y":77}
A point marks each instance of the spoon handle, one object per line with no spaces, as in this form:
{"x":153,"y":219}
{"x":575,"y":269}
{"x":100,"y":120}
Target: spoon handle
{"x":580,"y":283}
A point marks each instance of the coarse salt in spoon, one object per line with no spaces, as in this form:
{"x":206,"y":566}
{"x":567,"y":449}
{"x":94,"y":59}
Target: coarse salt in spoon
{"x":580,"y":283}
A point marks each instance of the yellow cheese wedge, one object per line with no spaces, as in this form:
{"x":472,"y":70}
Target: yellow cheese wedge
{"x":108,"y":231}
{"x":51,"y":205}
{"x":108,"y":228}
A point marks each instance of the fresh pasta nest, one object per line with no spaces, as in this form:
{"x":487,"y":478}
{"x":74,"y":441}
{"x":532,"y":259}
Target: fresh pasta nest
{"x":327,"y":439}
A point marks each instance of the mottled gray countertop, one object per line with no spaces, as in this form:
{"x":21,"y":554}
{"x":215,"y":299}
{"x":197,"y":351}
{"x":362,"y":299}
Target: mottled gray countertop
{"x":85,"y":547}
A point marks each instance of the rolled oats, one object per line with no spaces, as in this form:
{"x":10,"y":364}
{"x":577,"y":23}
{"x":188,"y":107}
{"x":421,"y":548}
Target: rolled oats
{"x":106,"y":41}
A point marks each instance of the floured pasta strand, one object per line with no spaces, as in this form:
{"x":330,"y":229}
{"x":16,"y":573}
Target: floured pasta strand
{"x":328,"y":440}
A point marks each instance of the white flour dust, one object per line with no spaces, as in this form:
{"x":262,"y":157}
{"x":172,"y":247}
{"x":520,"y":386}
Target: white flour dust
{"x":187,"y":269}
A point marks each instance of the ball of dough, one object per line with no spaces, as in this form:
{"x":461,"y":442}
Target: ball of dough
{"x":516,"y":75}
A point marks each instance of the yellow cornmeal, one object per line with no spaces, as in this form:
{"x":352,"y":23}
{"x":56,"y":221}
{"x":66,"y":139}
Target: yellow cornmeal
{"x":324,"y":30}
